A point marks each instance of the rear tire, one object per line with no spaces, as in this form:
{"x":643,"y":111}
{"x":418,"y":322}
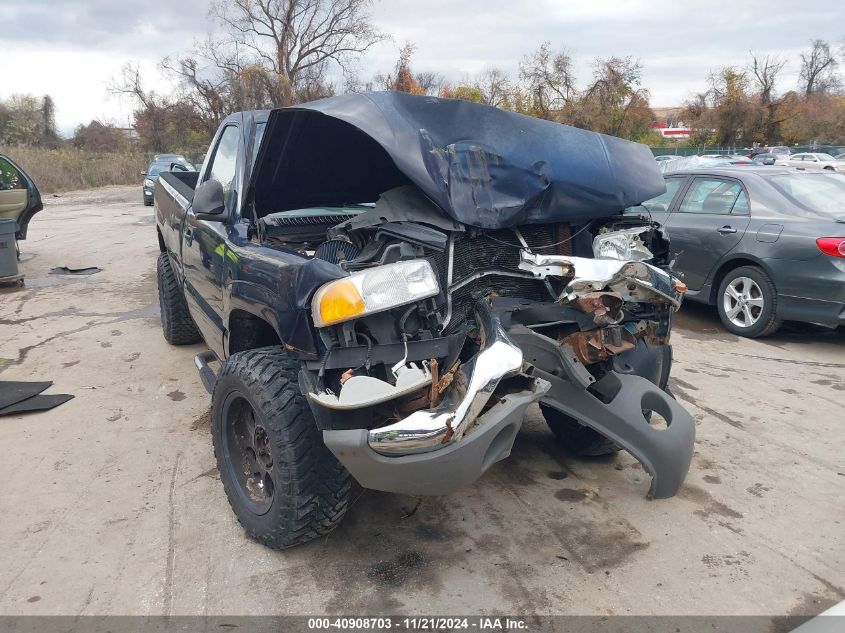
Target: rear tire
{"x":747,"y":302}
{"x":176,"y":322}
{"x":575,"y":437}
{"x":285,"y":487}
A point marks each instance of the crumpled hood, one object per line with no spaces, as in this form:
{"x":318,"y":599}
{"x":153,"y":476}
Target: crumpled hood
{"x":482,"y":166}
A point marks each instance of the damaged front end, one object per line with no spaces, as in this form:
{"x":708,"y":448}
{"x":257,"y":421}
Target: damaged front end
{"x":440,"y":338}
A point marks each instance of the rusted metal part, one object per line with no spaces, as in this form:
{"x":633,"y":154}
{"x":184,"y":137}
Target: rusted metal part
{"x":446,"y":380}
{"x":449,"y":433}
{"x":680,"y":287}
{"x":606,"y":307}
{"x":598,"y":345}
{"x":433,"y":368}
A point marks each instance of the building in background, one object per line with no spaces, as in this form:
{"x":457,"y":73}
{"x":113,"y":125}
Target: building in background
{"x":668,"y":123}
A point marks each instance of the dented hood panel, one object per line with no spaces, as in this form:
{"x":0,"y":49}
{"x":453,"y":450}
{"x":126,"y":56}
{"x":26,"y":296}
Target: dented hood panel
{"x":482,"y":166}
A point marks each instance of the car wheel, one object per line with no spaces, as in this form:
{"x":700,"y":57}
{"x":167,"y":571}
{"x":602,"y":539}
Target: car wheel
{"x":747,"y":302}
{"x":285,"y":487}
{"x":176,"y":322}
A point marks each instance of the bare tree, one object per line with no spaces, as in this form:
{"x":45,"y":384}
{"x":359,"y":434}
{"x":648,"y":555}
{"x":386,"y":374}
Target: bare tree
{"x":495,"y":87}
{"x":296,"y":40}
{"x":129,"y":84}
{"x":615,"y":103}
{"x":818,"y":69}
{"x":431,"y":83}
{"x":548,"y":79}
{"x":765,"y":71}
{"x":206,"y":91}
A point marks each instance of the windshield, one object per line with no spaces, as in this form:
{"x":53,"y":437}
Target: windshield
{"x":824,"y":193}
{"x":825,"y":158}
{"x":155,"y":169}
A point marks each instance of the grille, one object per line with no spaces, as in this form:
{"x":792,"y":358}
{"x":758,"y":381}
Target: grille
{"x":496,"y":250}
{"x":465,"y":297}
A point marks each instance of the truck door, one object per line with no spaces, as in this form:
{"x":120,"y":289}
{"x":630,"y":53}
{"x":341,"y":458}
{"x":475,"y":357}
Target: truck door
{"x":204,"y":242}
{"x":709,"y":222}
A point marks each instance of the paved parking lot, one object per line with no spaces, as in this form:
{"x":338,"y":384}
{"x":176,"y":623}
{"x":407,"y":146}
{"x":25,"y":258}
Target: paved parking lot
{"x":111,"y":503}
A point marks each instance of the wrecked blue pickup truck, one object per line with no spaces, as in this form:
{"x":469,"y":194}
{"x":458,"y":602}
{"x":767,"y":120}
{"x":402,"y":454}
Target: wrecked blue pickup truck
{"x":388,"y":282}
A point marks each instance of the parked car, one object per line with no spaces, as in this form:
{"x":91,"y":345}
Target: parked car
{"x":156,"y":168}
{"x":764,"y":244}
{"x":770,"y":159}
{"x":391,"y":280}
{"x":781,"y":150}
{"x":19,"y":197}
{"x":729,"y":159}
{"x":177,"y":159}
{"x":817,"y":161}
{"x":665,"y":157}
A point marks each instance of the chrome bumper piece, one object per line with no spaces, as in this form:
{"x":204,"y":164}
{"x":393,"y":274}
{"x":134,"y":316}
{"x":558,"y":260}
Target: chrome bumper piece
{"x":634,"y":281}
{"x":468,"y":394}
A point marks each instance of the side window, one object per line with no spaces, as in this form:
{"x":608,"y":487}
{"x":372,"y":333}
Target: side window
{"x":259,"y":134}
{"x":711,"y":195}
{"x":661,"y":203}
{"x":741,"y":205}
{"x":224,"y":161}
{"x":10,"y":178}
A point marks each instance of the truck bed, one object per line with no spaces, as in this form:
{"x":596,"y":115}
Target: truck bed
{"x":184,"y":182}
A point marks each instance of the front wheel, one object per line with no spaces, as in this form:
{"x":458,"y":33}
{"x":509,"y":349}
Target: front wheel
{"x":747,"y":302}
{"x":285,"y":487}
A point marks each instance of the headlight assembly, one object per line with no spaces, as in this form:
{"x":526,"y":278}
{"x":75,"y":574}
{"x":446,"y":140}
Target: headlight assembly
{"x":374,"y":290}
{"x":148,"y":183}
{"x":624,"y":245}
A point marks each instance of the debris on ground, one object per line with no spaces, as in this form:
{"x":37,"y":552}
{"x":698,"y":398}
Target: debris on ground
{"x":26,"y":397}
{"x":65,"y":270}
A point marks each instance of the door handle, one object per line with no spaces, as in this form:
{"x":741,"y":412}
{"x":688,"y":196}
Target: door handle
{"x":726,"y":229}
{"x":189,"y":236}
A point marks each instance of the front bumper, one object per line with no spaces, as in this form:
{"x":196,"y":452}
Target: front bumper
{"x":441,"y":471}
{"x":470,"y":391}
{"x":437,"y":451}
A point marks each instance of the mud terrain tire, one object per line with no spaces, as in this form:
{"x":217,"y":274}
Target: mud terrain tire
{"x":285,"y":487}
{"x":176,"y":322}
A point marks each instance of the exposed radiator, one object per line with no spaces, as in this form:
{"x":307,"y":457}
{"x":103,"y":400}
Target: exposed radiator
{"x":488,"y":254}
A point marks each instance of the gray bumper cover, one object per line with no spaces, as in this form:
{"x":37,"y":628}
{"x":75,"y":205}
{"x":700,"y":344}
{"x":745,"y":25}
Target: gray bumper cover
{"x":431,"y":462}
{"x":442,"y":471}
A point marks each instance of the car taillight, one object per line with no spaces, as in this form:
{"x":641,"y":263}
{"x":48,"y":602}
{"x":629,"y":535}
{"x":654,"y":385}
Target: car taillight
{"x":833,"y":246}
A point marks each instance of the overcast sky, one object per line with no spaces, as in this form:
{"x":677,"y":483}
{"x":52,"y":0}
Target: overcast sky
{"x":71,"y":49}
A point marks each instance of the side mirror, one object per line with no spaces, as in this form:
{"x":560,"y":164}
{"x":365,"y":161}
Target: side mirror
{"x":209,"y":201}
{"x":143,"y":173}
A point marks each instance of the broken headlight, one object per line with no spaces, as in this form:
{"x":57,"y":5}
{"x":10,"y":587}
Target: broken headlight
{"x":625,"y":245}
{"x":373,"y":290}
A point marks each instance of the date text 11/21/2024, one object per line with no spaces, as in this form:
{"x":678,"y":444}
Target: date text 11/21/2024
{"x":420,"y":623}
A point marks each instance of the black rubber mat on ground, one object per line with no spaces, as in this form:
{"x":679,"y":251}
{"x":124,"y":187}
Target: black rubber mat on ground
{"x":64,"y":270}
{"x":12,"y":391}
{"x":37,"y":403}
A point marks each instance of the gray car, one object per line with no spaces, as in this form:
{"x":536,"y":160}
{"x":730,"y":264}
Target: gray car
{"x":161,"y":163}
{"x":764,"y":244}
